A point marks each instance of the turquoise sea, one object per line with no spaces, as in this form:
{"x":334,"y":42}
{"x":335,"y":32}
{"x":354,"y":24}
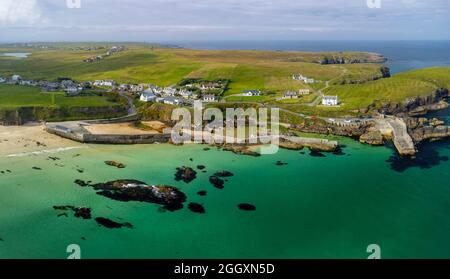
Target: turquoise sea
{"x":313,"y":207}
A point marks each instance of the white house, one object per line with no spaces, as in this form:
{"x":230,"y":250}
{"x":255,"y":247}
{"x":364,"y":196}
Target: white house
{"x":210,"y":86}
{"x":330,"y":100}
{"x":303,"y":78}
{"x":16,"y":78}
{"x":136,"y":88}
{"x":173,"y":101}
{"x":209,"y":98}
{"x":298,"y":77}
{"x":185,"y":93}
{"x":108,"y":82}
{"x":290,"y":95}
{"x":148,"y":96}
{"x":304,"y":92}
{"x":169,"y":91}
{"x":249,"y":93}
{"x":73,"y":90}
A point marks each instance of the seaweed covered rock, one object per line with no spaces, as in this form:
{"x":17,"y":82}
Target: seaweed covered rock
{"x":224,"y":174}
{"x":79,"y":212}
{"x":169,"y":197}
{"x":110,"y":224}
{"x":246,"y":207}
{"x":185,"y":174}
{"x":217,"y":182}
{"x":115,"y":164}
{"x":196,"y":208}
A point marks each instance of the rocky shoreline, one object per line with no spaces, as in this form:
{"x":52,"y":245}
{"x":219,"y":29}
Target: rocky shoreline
{"x":383,"y":126}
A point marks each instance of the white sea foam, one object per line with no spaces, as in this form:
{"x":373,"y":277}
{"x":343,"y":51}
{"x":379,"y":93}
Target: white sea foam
{"x":48,"y":151}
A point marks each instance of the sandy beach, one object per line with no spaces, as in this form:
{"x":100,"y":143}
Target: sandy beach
{"x":20,"y":140}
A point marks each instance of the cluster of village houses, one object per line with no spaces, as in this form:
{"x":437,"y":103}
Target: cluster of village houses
{"x":67,"y":85}
{"x":110,"y":52}
{"x":152,"y":93}
{"x":326,"y":100}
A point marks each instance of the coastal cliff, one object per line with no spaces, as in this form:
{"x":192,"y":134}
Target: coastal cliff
{"x":413,"y":106}
{"x":371,"y":58}
{"x":423,"y":129}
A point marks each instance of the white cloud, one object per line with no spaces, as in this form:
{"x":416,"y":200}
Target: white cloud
{"x":19,"y":12}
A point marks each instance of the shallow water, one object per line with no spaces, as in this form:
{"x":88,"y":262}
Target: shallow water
{"x":314,"y":207}
{"x":16,"y":54}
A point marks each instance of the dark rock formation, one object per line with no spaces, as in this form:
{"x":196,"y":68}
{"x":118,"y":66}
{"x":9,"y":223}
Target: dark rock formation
{"x":414,"y":106}
{"x":240,"y":150}
{"x":422,"y":129}
{"x":372,"y":138}
{"x":316,"y":153}
{"x":217,"y":182}
{"x":246,"y":207}
{"x":197,"y":208}
{"x":170,"y":197}
{"x":280,"y":163}
{"x":224,"y":174}
{"x":79,"y":212}
{"x":201,"y":167}
{"x":81,"y":183}
{"x":107,"y":223}
{"x":115,"y":164}
{"x":202,"y":193}
{"x":185,"y":174}
{"x":385,"y":72}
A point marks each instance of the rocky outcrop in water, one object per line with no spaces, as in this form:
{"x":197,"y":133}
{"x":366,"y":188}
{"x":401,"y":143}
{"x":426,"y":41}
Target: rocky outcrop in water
{"x":196,"y":208}
{"x":217,"y":182}
{"x":185,"y":174}
{"x":372,"y":138}
{"x":110,"y":224}
{"x":79,"y":212}
{"x":169,"y":197}
{"x":115,"y":164}
{"x":224,"y":174}
{"x":423,"y":129}
{"x":246,"y":207}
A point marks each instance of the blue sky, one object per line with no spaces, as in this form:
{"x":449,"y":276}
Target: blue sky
{"x":178,"y":20}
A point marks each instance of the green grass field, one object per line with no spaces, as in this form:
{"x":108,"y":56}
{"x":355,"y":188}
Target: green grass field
{"x":247,"y":69}
{"x":21,"y":96}
{"x":268,"y":71}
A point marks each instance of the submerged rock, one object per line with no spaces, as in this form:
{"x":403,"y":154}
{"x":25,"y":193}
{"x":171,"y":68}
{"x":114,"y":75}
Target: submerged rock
{"x":36,"y":168}
{"x":185,"y":174}
{"x":202,"y":193}
{"x":224,"y":174}
{"x":110,"y":224}
{"x":115,"y":164}
{"x":246,"y":207}
{"x":81,"y":183}
{"x":315,"y":153}
{"x":79,"y":212}
{"x":280,"y":163}
{"x":196,"y":208}
{"x":201,"y":167}
{"x":217,"y":182}
{"x":169,"y":197}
